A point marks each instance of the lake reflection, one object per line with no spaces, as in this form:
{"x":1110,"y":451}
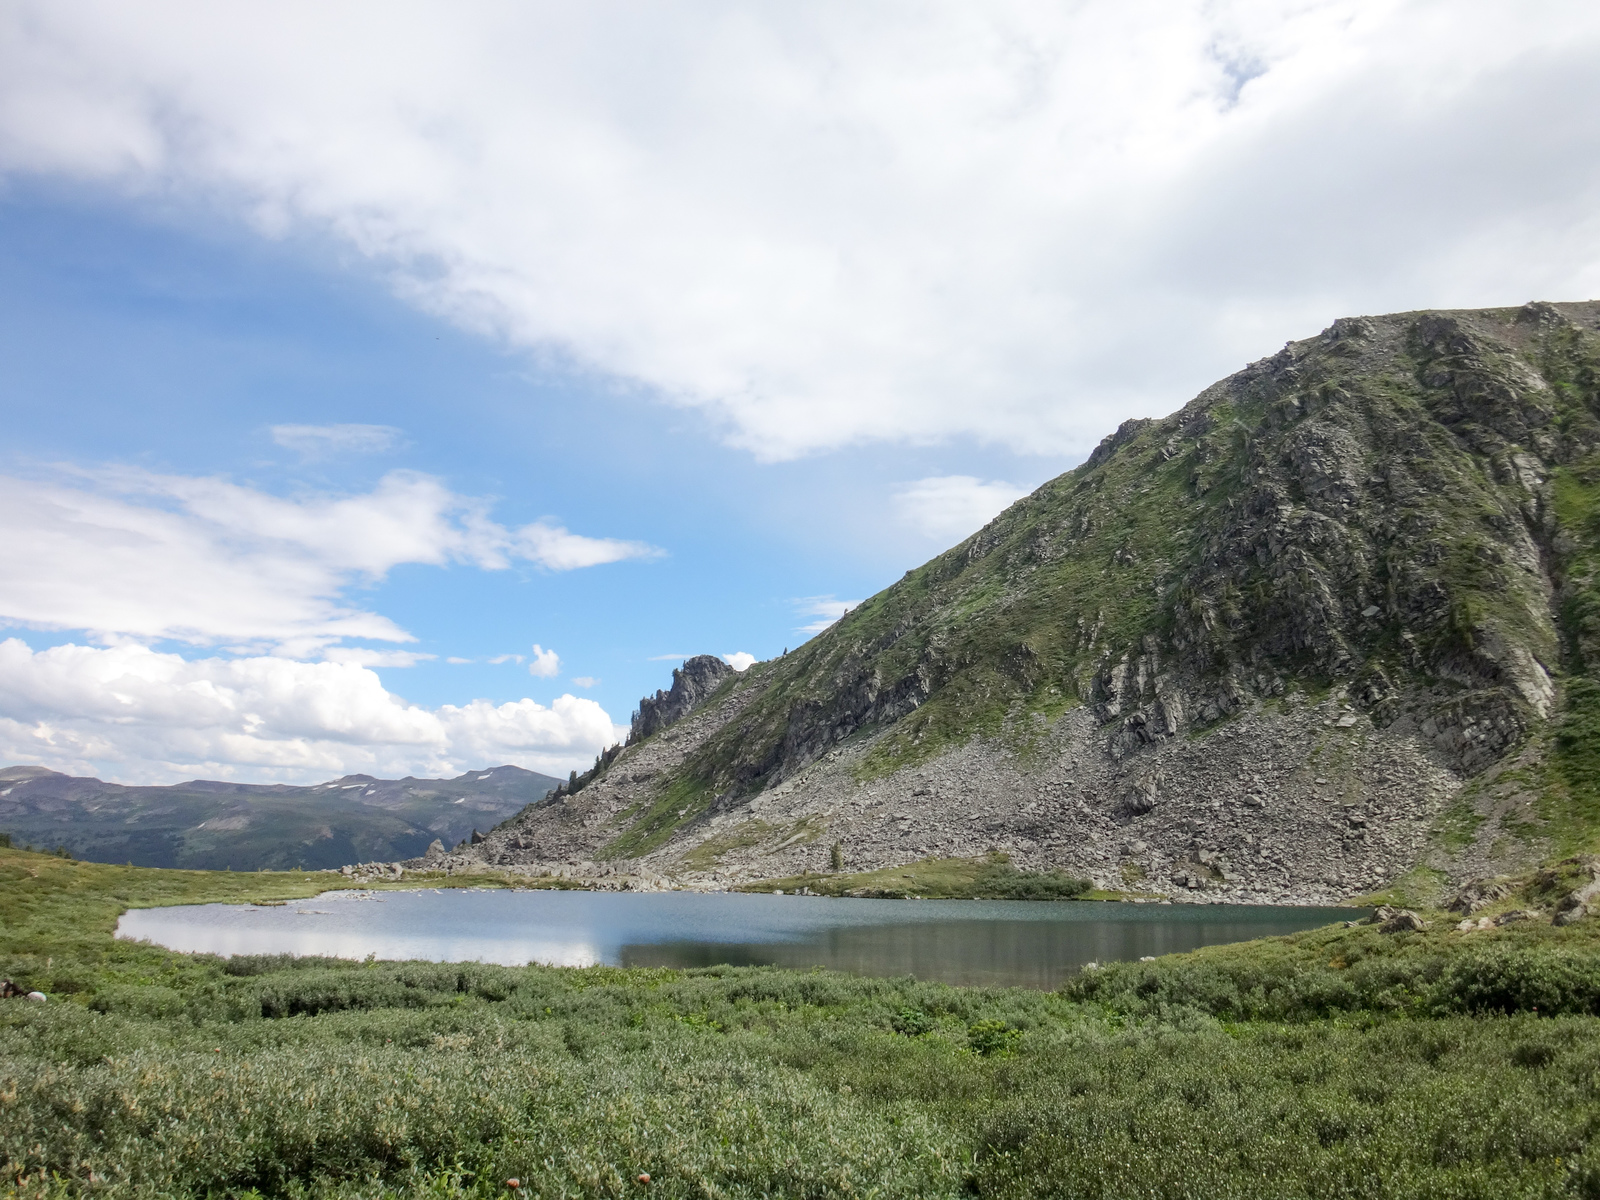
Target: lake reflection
{"x":996,"y":942}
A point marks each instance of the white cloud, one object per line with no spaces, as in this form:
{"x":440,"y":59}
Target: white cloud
{"x":142,"y":716}
{"x":739,"y":660}
{"x":365,"y":657}
{"x":505,"y":658}
{"x":678,"y":658}
{"x":205,"y":561}
{"x":323,"y":441}
{"x":850,"y":220}
{"x":553,"y":547}
{"x":457,"y":662}
{"x":546,"y":664}
{"x":826,"y":610}
{"x":949,"y":507}
{"x":585,"y":681}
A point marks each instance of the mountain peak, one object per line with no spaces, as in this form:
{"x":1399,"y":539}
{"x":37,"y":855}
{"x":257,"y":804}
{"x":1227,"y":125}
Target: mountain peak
{"x":1347,"y":582}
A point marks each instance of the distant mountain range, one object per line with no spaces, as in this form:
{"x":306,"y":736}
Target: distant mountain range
{"x":244,"y":826}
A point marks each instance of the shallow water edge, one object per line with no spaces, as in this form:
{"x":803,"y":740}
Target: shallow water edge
{"x":972,"y":942}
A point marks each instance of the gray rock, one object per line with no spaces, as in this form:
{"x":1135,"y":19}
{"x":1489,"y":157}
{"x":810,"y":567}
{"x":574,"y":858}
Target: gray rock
{"x":692,"y":684}
{"x":1570,"y":916}
{"x":1479,"y":894}
{"x":1517,"y":914}
{"x":1389,"y":919}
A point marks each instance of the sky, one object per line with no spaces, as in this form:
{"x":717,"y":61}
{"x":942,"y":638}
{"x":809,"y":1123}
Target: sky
{"x":405,"y":388}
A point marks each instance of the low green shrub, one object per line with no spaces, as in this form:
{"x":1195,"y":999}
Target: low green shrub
{"x":1340,"y":1062}
{"x":993,"y":1037}
{"x":1001,"y":881}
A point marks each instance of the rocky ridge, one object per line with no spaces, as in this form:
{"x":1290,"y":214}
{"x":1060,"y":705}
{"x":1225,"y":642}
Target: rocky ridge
{"x":1324,"y":624}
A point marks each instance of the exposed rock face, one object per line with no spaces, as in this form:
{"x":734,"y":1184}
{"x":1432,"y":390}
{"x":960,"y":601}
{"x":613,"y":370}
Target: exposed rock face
{"x":692,"y":683}
{"x":1254,"y":650}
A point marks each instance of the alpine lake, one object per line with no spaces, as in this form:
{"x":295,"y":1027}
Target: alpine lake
{"x":996,"y":943}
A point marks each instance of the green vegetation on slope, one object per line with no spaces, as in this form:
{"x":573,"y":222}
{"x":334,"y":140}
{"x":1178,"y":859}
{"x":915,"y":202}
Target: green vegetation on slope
{"x":990,"y":877}
{"x":1340,"y":1062}
{"x":1368,"y":507}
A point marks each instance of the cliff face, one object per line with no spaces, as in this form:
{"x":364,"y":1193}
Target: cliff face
{"x":1355,"y":581}
{"x":691,"y":684}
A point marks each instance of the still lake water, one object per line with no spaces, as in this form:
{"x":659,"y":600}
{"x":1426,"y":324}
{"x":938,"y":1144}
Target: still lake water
{"x":1008,"y":943}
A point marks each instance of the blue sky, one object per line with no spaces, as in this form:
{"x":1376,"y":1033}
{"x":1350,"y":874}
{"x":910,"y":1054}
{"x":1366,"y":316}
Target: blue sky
{"x":172,"y":341}
{"x":356,"y":338}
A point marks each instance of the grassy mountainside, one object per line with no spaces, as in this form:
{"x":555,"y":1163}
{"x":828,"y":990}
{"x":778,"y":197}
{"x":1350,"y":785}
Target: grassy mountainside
{"x":1405,"y":507}
{"x":1340,"y":1062}
{"x":246,"y":827}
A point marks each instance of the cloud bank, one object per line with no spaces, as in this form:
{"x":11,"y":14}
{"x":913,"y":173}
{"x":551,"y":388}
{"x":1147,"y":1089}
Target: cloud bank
{"x":135,"y":715}
{"x":853,"y":220}
{"x":131,"y":556}
{"x":209,"y":562}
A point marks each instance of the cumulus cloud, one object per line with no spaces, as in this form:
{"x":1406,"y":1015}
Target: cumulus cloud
{"x":949,"y":507}
{"x":847,"y":220}
{"x":546,"y":664}
{"x":826,"y":610}
{"x":207,"y":561}
{"x":323,"y":441}
{"x":739,"y":660}
{"x":143,"y":716}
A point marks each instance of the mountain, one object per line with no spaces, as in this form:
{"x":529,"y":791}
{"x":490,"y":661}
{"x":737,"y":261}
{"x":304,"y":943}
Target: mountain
{"x":1333,"y":623}
{"x":245,"y":826}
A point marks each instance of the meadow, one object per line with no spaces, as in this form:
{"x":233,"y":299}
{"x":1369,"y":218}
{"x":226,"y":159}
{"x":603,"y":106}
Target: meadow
{"x":1337,"y":1063}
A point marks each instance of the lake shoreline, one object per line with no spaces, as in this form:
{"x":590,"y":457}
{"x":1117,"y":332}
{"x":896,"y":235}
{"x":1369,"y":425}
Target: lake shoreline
{"x":1306,"y":1064}
{"x":962,"y":942}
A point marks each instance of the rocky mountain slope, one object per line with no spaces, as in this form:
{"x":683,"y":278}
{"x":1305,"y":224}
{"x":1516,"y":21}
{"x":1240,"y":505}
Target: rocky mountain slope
{"x":1334,"y":620}
{"x":244,"y":826}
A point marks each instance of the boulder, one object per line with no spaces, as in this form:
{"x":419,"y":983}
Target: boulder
{"x":1517,"y":914}
{"x":1389,"y":919}
{"x":1478,"y":894}
{"x":1568,"y":916}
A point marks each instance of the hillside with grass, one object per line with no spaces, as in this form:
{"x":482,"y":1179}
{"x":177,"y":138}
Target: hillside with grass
{"x":1334,"y":620}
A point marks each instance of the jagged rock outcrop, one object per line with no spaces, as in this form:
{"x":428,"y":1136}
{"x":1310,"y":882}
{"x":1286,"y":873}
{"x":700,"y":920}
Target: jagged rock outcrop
{"x":692,"y":684}
{"x":1285,"y":643}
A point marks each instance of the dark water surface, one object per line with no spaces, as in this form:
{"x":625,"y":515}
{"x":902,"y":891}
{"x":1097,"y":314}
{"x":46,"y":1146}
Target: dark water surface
{"x":998,"y":942}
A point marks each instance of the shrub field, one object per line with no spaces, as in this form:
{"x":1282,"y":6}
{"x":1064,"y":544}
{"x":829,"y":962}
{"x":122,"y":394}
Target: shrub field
{"x":1336,"y":1063}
